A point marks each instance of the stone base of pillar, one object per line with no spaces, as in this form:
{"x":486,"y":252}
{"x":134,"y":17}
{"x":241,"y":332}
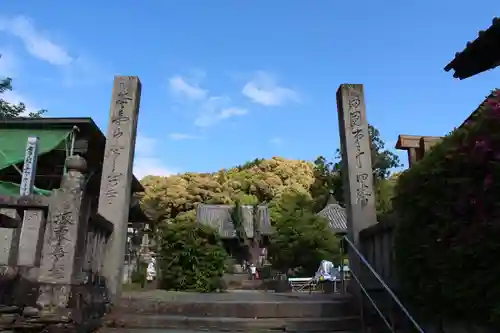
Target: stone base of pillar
{"x":72,"y":303}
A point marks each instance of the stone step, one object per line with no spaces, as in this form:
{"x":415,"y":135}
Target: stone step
{"x":159,"y":330}
{"x":167,"y":323}
{"x":238,"y":309}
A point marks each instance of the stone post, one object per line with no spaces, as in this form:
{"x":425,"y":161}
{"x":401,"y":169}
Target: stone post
{"x":63,"y":233}
{"x":356,"y":160}
{"x":357,"y":176}
{"x":116,"y":178}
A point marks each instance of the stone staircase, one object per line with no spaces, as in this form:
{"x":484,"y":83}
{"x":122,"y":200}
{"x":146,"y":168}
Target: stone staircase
{"x":238,"y":311}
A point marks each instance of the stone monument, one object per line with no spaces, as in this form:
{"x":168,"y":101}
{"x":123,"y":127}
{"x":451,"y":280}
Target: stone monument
{"x":116,"y":178}
{"x":356,"y":158}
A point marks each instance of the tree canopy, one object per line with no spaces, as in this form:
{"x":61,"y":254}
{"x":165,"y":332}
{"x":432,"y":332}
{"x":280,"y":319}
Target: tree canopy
{"x":328,"y":174}
{"x":302,"y":238}
{"x":262,"y":181}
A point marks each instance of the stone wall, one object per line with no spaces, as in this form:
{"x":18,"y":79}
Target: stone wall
{"x":63,"y":282}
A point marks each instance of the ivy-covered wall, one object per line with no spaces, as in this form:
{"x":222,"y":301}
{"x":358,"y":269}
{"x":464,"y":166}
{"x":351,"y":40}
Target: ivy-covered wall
{"x":447,"y":239}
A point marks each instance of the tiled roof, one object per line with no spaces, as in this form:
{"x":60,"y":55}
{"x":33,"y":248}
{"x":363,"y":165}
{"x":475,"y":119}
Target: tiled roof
{"x":480,"y":55}
{"x":219,"y":217}
{"x":336,"y":216}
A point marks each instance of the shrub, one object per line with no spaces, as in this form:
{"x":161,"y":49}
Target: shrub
{"x":302,"y":239}
{"x":448,"y":238}
{"x":191,"y":257}
{"x":139,"y":275}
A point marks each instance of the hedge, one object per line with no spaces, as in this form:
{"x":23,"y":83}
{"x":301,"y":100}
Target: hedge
{"x":192,"y":257}
{"x":447,"y":240}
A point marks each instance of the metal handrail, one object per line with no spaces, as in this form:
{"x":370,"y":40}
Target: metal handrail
{"x":386,"y":287}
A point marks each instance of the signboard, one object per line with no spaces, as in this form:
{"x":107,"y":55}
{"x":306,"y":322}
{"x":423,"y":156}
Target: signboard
{"x":29,"y":167}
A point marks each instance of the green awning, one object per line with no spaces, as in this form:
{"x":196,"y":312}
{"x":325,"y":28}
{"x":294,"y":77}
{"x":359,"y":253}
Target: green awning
{"x":8,"y":188}
{"x":13,"y":147}
{"x":13,"y":143}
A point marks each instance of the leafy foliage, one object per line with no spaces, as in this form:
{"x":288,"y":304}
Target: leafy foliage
{"x":256,"y":182}
{"x":241,"y":235}
{"x":191,"y":257}
{"x":447,"y":240}
{"x":329,"y":181}
{"x":9,"y":110}
{"x":302,"y":238}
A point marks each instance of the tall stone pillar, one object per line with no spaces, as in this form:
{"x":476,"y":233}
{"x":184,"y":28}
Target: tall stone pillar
{"x":356,"y":160}
{"x":64,"y":232}
{"x":357,"y":178}
{"x":116,"y":179}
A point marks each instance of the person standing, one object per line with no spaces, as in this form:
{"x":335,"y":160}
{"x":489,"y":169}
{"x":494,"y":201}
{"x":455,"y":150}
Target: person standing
{"x":253,"y":271}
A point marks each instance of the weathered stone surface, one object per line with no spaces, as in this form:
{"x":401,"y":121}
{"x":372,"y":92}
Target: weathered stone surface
{"x":31,"y":238}
{"x":60,"y":237}
{"x":116,"y":179}
{"x":237,"y":309}
{"x":356,"y":157}
{"x":60,"y":265}
{"x":237,"y":324}
{"x":31,"y":311}
{"x":9,"y":219}
{"x":8,"y":250}
{"x":25,"y":202}
{"x":6,"y":319}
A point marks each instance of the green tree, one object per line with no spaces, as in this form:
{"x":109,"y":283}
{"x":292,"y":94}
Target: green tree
{"x":9,"y":110}
{"x":238,"y":223}
{"x":328,"y":175}
{"x":302,"y":239}
{"x":191,"y":257}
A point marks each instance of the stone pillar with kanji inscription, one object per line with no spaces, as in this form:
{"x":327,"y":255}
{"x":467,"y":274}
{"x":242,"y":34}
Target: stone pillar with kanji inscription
{"x":356,"y":159}
{"x":357,"y":177}
{"x":65,"y":231}
{"x":116,"y":178}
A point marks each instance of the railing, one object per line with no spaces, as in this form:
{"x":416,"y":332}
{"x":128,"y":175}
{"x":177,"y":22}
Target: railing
{"x":356,"y":276}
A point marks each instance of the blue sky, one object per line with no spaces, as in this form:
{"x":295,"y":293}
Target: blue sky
{"x":228,"y":81}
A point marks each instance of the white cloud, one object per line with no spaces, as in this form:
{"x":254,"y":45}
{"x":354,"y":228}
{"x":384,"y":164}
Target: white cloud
{"x":150,"y":166}
{"x":210,"y":109}
{"x":75,"y":69}
{"x":231,"y":112}
{"x":215,"y":109}
{"x":263,"y":89}
{"x":179,"y":86}
{"x":182,"y":136}
{"x":145,"y":161}
{"x":36,"y":43}
{"x":276,"y":141}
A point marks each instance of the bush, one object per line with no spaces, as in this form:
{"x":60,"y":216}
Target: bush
{"x":139,"y":275}
{"x":192,"y":257}
{"x":448,"y":238}
{"x":302,"y":239}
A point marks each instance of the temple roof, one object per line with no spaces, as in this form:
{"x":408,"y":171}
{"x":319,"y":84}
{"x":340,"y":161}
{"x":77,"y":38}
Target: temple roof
{"x":480,"y":55}
{"x":219,"y":217}
{"x":336,"y":216}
